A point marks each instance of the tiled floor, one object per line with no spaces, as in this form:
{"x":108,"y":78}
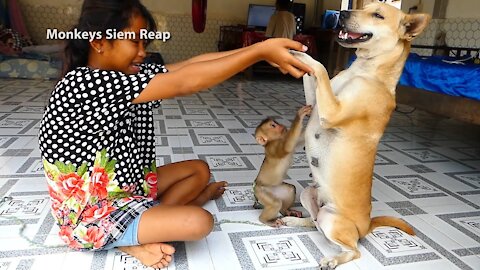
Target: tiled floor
{"x":427,"y":172}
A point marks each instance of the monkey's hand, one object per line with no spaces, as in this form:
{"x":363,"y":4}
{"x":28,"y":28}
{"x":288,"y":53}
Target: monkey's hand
{"x":304,"y":111}
{"x":276,"y":223}
{"x":293,"y":213}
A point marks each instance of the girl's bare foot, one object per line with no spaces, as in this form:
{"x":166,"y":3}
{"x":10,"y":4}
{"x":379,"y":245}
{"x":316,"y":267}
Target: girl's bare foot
{"x":212,"y":191}
{"x":156,"y":255}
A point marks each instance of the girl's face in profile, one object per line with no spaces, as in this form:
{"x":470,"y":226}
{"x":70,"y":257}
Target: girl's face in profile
{"x":126,"y":55}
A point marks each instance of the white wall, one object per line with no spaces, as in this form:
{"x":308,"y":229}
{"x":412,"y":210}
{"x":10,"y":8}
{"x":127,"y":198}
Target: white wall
{"x":463,"y":9}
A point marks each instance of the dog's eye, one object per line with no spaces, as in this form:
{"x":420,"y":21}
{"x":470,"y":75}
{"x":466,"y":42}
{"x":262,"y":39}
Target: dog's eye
{"x":377,"y":15}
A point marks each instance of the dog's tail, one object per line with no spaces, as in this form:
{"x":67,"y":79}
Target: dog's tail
{"x":391,"y":222}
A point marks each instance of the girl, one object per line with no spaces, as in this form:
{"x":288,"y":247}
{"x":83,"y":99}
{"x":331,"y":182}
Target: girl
{"x":97,"y":137}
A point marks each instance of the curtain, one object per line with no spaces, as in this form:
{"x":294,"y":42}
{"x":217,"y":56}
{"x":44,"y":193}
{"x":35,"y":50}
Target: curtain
{"x":16,"y":18}
{"x":4,"y":21}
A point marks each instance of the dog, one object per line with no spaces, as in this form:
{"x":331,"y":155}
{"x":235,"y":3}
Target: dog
{"x":349,"y":116}
{"x":395,"y":3}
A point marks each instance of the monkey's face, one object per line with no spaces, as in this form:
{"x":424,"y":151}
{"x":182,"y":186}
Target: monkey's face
{"x":270,"y":131}
{"x":274,"y":130}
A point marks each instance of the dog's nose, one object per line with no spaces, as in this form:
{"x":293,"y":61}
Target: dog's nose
{"x":344,"y":14}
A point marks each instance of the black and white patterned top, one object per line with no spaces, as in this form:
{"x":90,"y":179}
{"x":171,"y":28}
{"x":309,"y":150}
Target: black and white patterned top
{"x":98,"y":151}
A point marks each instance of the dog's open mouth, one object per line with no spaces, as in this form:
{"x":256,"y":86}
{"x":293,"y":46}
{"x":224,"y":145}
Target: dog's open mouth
{"x":352,"y":37}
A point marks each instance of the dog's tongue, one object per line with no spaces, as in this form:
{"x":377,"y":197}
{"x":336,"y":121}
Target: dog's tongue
{"x":354,"y":35}
{"x":350,"y":35}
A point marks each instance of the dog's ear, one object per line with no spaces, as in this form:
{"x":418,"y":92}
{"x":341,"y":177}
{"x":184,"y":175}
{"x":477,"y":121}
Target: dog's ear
{"x":414,"y":25}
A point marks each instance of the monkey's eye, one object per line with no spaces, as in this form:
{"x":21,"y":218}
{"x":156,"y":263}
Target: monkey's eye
{"x":377,"y":15}
{"x":274,"y":125}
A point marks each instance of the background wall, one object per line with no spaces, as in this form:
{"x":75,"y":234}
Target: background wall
{"x":231,"y":9}
{"x":461,"y":25}
{"x":331,"y":4}
{"x":463,"y":9}
{"x":426,"y":6}
{"x":172,"y":16}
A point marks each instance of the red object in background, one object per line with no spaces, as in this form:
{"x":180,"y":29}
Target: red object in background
{"x":308,"y":41}
{"x":199,"y":15}
{"x":252,"y":37}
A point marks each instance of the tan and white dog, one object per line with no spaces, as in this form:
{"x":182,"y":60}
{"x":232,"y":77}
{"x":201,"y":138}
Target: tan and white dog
{"x":395,"y":3}
{"x":348,"y":119}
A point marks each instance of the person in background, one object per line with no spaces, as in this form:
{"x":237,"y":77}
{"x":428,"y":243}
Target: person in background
{"x":282,"y":23}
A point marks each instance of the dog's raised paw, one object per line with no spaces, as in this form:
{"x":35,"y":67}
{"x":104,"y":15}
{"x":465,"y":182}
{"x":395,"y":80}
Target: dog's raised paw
{"x":307,"y":59}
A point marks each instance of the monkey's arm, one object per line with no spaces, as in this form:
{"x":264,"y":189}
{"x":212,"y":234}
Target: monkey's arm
{"x":301,"y":139}
{"x":293,"y":135}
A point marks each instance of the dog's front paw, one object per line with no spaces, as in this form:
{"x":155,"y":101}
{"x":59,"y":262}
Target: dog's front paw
{"x":307,"y":59}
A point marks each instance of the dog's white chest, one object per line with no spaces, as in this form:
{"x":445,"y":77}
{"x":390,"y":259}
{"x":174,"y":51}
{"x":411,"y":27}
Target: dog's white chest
{"x":317,"y":144}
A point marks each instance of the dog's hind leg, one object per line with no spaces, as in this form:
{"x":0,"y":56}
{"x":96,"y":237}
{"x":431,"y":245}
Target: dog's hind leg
{"x":309,"y":200}
{"x":343,"y":233}
{"x":298,"y":222}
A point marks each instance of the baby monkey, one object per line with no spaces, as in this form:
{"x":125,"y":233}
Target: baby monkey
{"x":269,"y":188}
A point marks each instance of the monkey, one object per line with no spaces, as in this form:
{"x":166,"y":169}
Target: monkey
{"x":269,"y":189}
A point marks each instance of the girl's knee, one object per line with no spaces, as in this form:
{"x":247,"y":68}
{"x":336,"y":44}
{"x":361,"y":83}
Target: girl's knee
{"x":203,"y":166}
{"x":203,"y":221}
{"x":202,"y":169}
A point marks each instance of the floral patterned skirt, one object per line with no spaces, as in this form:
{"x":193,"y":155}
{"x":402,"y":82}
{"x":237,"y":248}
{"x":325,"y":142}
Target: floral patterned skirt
{"x":103,"y":223}
{"x":91,"y":208}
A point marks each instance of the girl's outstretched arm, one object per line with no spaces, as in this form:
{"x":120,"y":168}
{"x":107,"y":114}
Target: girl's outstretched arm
{"x":192,"y":78}
{"x":201,"y":58}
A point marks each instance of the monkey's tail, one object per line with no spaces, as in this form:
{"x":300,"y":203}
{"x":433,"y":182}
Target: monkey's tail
{"x":391,"y":222}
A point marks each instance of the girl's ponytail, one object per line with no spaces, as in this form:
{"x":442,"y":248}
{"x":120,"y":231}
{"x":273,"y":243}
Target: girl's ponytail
{"x":75,"y":54}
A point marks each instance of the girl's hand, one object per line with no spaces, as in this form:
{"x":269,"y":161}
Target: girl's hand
{"x":275,"y":51}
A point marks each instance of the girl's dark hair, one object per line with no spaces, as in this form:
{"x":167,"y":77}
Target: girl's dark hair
{"x":98,"y":16}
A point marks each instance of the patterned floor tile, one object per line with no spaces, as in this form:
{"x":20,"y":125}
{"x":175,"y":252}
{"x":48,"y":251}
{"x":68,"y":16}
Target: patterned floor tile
{"x":426,"y":172}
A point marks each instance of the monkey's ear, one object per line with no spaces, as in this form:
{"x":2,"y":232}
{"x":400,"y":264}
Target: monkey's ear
{"x":261,"y":140}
